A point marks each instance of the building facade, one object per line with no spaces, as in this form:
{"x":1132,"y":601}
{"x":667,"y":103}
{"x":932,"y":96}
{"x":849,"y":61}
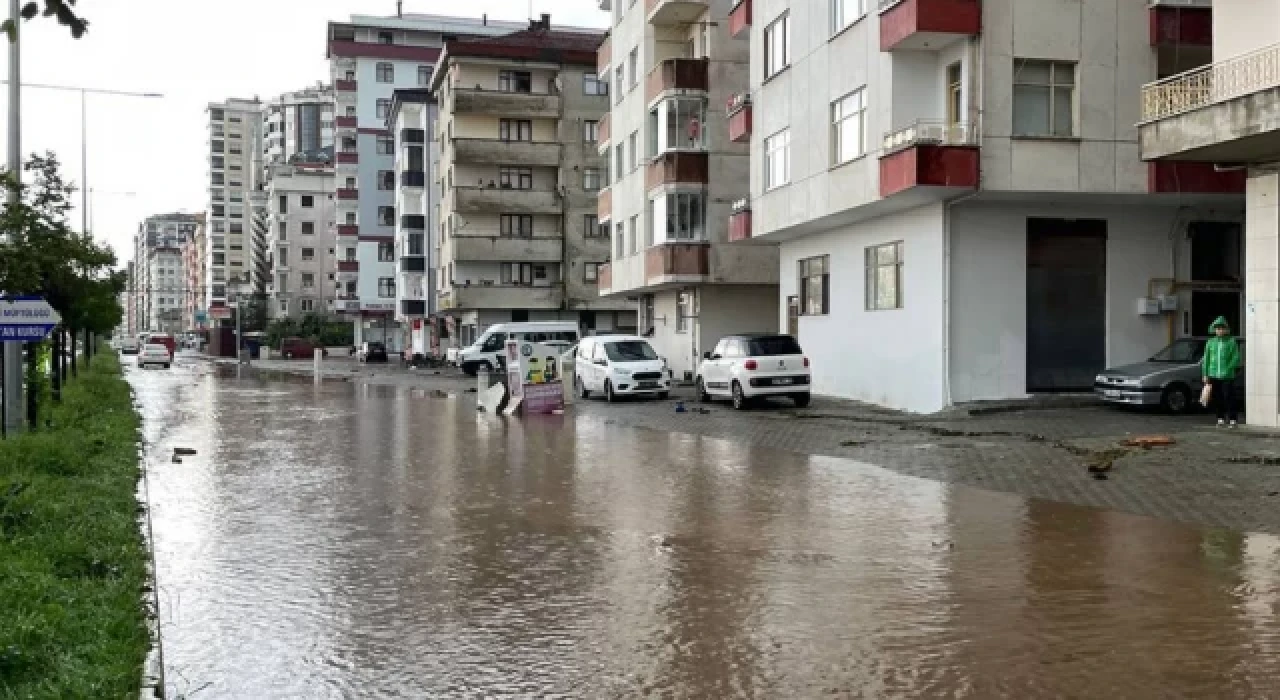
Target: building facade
{"x":958,"y":199}
{"x":196,"y":303}
{"x":297,"y":123}
{"x":150,"y":292}
{"x":518,"y":174}
{"x":167,"y":281}
{"x":673,"y":174}
{"x":1226,"y":116}
{"x":235,"y":162}
{"x":412,"y":121}
{"x":302,"y":240}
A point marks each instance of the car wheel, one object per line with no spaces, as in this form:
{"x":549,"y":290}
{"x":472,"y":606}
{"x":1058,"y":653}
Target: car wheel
{"x":486,"y":366}
{"x":469,"y":369}
{"x":801,"y":400}
{"x":1176,"y":398}
{"x":583,"y":392}
{"x":703,"y":396}
{"x":608,"y":392}
{"x":740,"y":400}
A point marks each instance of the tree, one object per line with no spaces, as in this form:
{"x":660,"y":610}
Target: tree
{"x":63,"y":10}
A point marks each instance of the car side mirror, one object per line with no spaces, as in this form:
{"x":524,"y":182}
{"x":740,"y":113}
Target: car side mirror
{"x":706,"y":356}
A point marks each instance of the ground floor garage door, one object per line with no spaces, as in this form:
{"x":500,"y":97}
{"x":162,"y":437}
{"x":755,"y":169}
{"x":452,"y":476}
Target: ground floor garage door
{"x":1066,"y":303}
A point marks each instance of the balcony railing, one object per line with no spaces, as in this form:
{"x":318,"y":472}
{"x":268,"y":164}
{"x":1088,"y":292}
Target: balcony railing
{"x":348,"y":193}
{"x":345,"y":122}
{"x":348,"y":266}
{"x":673,"y":168}
{"x":348,"y":230}
{"x":1212,"y":84}
{"x":676,"y":74}
{"x":348,"y":157}
{"x":345,"y":85}
{"x":932,"y":132}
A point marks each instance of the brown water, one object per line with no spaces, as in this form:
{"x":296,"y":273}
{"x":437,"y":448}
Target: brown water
{"x":340,"y":541}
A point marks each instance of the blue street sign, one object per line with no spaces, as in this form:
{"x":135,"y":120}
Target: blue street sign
{"x":26,"y":319}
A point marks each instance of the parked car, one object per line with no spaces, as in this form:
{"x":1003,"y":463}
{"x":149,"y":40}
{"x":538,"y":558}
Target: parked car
{"x":620,"y":365}
{"x":129,"y":346}
{"x":163,"y":339}
{"x":1170,"y":379}
{"x":155,"y":354}
{"x":484,"y":353}
{"x":744,"y":368}
{"x":372,"y":352}
{"x":291,"y":348}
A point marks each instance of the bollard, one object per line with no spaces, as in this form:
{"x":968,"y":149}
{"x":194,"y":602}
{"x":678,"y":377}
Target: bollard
{"x":482,"y":380}
{"x":568,"y":378}
{"x":316,"y":358}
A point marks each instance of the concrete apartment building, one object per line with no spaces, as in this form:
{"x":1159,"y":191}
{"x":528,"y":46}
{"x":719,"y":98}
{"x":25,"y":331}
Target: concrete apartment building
{"x":235,"y":162}
{"x":167,"y":289}
{"x":673,"y":175}
{"x":302,"y":239}
{"x":129,"y":299}
{"x":519,"y":174}
{"x":151,"y":291}
{"x":194,"y":249}
{"x":958,"y":197}
{"x":412,"y":121}
{"x":370,"y":58}
{"x":1226,"y":115}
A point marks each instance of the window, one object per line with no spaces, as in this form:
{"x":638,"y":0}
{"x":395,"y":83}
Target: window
{"x":308,"y":305}
{"x":620,"y":241}
{"x":424,"y":76}
{"x":308,"y":201}
{"x":387,"y":287}
{"x":515,"y":81}
{"x":218,"y":179}
{"x":308,"y":253}
{"x":591,"y":179}
{"x":515,"y":178}
{"x":686,"y":310}
{"x":591,"y":226}
{"x":617,"y":80}
{"x":955,"y":93}
{"x":777,"y":159}
{"x":633,"y":67}
{"x":515,"y":130}
{"x":350,"y":218}
{"x":1043,"y":98}
{"x":676,"y":124}
{"x":777,"y":46}
{"x":593,"y":85}
{"x":590,"y":131}
{"x":386,"y":216}
{"x":679,"y":217}
{"x":884,"y":277}
{"x":382,"y":108}
{"x":308,"y":228}
{"x":386,"y":38}
{"x":815,"y":286}
{"x":237,"y":228}
{"x":633,"y":230}
{"x":282,"y":257}
{"x":846,"y":12}
{"x":516,"y":225}
{"x":386,"y":146}
{"x":350,"y":183}
{"x":386,"y":179}
{"x":591,"y":271}
{"x":632,"y":143}
{"x":386,"y":251}
{"x":849,"y":126}
{"x":619,"y":161}
{"x":516,"y":273}
{"x":308,"y":280}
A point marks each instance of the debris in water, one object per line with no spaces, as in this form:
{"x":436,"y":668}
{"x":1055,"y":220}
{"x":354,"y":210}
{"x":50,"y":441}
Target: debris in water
{"x":186,"y":451}
{"x":1146,"y":442}
{"x":853,"y":443}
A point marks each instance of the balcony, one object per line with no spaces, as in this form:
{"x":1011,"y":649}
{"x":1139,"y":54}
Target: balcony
{"x":498,"y":152}
{"x":489,"y":200}
{"x":500,"y":296}
{"x":604,"y":54}
{"x":669,"y":12}
{"x":929,"y":153}
{"x":512,"y":105}
{"x":740,"y":18}
{"x":345,"y":230}
{"x":1181,"y":23}
{"x":413,"y":136}
{"x":348,"y":266}
{"x":346,"y":122}
{"x":678,"y":76}
{"x":413,"y":307}
{"x":413,"y":222}
{"x":739,"y":113}
{"x":345,"y":86}
{"x":1226,"y":112}
{"x":676,"y":168}
{"x":927,"y":25}
{"x":413,"y":178}
{"x":604,"y":205}
{"x":548,"y":249}
{"x":676,"y":263}
{"x":1167,"y":176}
{"x":602,"y":134}
{"x":348,"y":193}
{"x":347,"y":157}
{"x":740,"y":221}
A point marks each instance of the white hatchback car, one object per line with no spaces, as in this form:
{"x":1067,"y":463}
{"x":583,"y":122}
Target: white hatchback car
{"x":620,"y":365}
{"x":747,"y":367}
{"x":154,"y":354}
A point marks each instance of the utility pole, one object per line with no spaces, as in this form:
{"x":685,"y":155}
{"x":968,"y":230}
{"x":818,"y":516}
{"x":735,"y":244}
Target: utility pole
{"x":11,"y":369}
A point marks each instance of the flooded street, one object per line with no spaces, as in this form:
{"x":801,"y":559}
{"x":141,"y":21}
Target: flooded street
{"x":348,"y":541}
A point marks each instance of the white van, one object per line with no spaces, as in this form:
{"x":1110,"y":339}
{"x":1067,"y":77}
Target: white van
{"x":620,"y":365}
{"x":485,"y":351}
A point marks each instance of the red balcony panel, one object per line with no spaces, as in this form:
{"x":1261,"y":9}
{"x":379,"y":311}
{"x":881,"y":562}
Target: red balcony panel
{"x":348,"y":230}
{"x":348,"y":266}
{"x":676,"y":168}
{"x":345,"y":122}
{"x":928,"y":24}
{"x":347,"y":193}
{"x":677,"y":74}
{"x":339,"y":48}
{"x":344,"y":85}
{"x":676,"y":260}
{"x":1187,"y":177}
{"x":348,"y":157}
{"x":740,"y":124}
{"x":740,"y":225}
{"x":604,"y":205}
{"x":1181,"y":26}
{"x":604,"y":55}
{"x":604,"y":278}
{"x":740,"y":18}
{"x":929,"y":166}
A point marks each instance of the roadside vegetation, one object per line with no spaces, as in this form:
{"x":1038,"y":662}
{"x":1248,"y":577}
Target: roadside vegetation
{"x":72,"y":561}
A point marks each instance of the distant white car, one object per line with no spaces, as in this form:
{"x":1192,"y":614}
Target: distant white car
{"x":154,"y":354}
{"x":746,"y":367}
{"x":129,"y":346}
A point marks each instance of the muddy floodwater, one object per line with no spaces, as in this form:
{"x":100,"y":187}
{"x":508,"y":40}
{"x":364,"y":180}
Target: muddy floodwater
{"x":347,"y":541}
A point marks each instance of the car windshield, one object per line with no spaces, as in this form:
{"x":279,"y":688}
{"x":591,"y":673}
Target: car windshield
{"x":629,"y":351}
{"x":1184,"y":351}
{"x":773,"y":345}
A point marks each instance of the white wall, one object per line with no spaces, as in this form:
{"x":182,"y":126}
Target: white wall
{"x":1262,"y":299}
{"x":892,"y":358}
{"x":1242,"y":26}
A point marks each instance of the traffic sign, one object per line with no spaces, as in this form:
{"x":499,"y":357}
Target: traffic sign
{"x":26,"y":319}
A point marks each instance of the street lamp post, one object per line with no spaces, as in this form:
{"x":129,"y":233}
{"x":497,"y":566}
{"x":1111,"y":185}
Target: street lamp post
{"x":11,"y":369}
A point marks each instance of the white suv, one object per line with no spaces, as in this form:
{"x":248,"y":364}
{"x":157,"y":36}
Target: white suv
{"x":746,"y":367}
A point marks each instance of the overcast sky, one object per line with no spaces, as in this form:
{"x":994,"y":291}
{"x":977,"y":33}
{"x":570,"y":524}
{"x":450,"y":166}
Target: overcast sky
{"x":147,"y":156}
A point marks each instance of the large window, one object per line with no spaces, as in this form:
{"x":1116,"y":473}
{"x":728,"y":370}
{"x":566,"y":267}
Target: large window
{"x":386,"y":179}
{"x":677,"y":124}
{"x":515,"y":130}
{"x":382,"y":108}
{"x":516,"y":273}
{"x":386,"y":73}
{"x":777,"y":159}
{"x":1043,"y":98}
{"x":884,"y":277}
{"x":515,"y":81}
{"x":815,"y":285}
{"x":386,"y":146}
{"x":515,"y":178}
{"x":386,"y":251}
{"x":424,"y":76}
{"x":308,"y":280}
{"x":846,"y":12}
{"x":590,"y":130}
{"x":516,"y":225}
{"x":777,"y":46}
{"x":593,"y":85}
{"x":387,"y":287}
{"x":308,"y":227}
{"x":591,"y":179}
{"x":386,"y":216}
{"x":849,"y":126}
{"x":679,"y":217}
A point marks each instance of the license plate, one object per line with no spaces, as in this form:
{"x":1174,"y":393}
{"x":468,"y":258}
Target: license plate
{"x":648,"y":385}
{"x":782,"y":382}
{"x":1112,"y":394}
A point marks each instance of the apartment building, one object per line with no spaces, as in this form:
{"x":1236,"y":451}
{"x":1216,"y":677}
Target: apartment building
{"x":167,"y":282}
{"x":194,"y":249}
{"x":413,"y":117}
{"x":297,"y":123}
{"x":370,"y":58}
{"x":167,"y":232}
{"x":302,"y":239}
{"x":128,"y":299}
{"x":235,"y":162}
{"x":958,"y":198}
{"x":518,"y":177}
{"x":673,"y":174}
{"x":1226,"y":116}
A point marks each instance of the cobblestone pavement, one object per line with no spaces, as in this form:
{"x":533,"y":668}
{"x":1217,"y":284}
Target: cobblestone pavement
{"x":1209,"y":476}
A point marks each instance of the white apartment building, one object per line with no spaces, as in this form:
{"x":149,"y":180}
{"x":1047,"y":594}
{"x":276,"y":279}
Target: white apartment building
{"x":1227,"y":115}
{"x":167,"y":280}
{"x":298,"y":123}
{"x":413,"y":122}
{"x":370,"y":58}
{"x":301,"y":240}
{"x":164,"y":231}
{"x":958,"y":197}
{"x":235,"y":148}
{"x":673,"y":175}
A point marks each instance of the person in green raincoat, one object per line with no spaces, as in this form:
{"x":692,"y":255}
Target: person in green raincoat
{"x":1220,"y":365}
